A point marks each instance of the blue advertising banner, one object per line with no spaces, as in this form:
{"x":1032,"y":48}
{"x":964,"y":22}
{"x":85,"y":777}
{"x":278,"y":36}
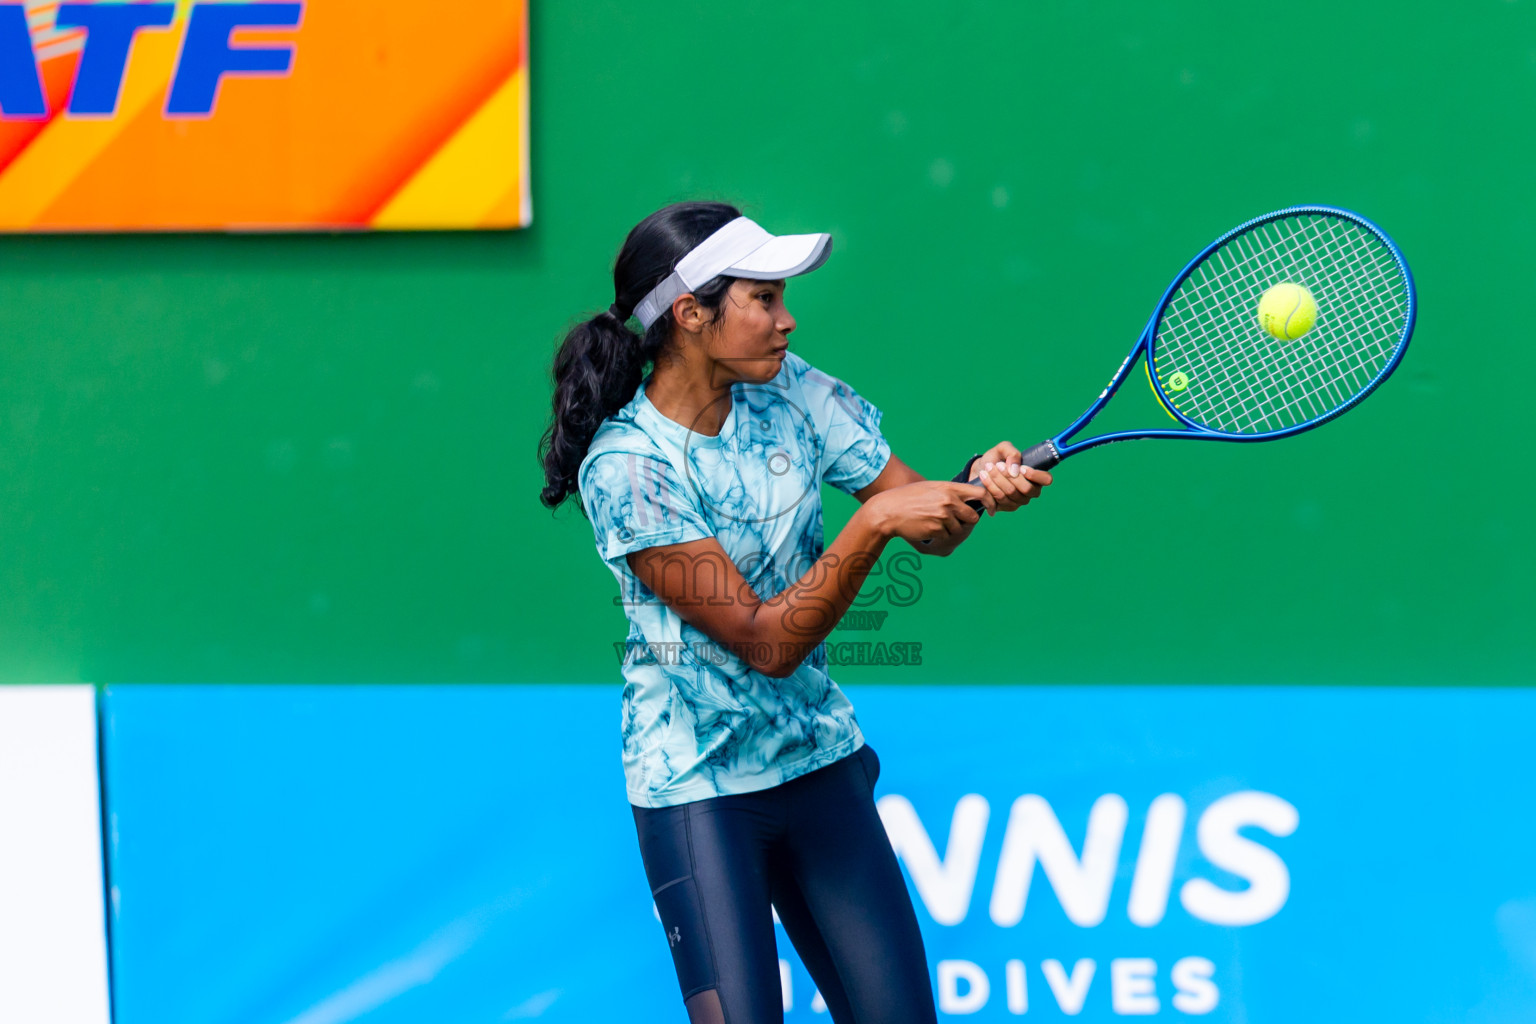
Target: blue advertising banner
{"x":314,"y":855}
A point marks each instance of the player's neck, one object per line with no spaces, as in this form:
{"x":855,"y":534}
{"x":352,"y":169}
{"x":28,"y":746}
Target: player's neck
{"x":683,"y":392}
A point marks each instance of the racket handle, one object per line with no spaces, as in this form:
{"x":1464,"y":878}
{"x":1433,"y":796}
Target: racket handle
{"x":1041,"y":456}
{"x":964,"y":477}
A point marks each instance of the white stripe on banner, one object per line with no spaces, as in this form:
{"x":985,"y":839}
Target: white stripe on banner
{"x":53,"y":944}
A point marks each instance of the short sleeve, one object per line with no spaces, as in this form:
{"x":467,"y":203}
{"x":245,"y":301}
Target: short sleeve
{"x":856,"y":452}
{"x":637,"y":502}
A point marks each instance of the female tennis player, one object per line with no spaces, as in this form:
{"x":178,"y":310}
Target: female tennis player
{"x":751,"y":784}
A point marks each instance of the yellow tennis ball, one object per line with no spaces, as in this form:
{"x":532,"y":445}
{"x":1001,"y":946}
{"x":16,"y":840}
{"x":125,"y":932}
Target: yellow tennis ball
{"x":1287,"y":311}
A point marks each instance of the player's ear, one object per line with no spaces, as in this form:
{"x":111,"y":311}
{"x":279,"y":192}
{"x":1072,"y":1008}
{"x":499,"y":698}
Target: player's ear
{"x":689,"y":314}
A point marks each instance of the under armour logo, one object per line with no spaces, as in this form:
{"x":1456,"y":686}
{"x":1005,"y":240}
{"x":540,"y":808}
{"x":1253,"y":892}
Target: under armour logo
{"x":674,"y":936}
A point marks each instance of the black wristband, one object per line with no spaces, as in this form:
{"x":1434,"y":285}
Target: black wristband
{"x":965,"y":474}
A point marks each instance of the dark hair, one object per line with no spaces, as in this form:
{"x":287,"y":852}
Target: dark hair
{"x":601,"y":362}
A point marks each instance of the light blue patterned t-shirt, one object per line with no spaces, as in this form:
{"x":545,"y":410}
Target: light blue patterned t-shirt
{"x":697,"y":720}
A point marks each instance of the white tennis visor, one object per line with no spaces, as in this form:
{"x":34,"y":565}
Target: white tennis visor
{"x":740,"y":249}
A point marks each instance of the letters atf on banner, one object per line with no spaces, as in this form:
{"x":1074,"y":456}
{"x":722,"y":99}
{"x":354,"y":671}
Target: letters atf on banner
{"x":263,"y":116}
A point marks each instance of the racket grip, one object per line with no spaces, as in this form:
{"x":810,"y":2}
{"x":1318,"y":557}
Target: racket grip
{"x":1042,"y":456}
{"x":964,"y":477}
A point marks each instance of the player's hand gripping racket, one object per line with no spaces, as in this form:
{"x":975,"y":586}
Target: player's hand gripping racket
{"x":1276,"y":327}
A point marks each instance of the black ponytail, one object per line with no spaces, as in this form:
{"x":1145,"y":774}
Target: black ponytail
{"x":601,"y":362}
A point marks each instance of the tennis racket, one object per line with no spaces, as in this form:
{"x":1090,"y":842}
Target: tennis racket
{"x":1222,"y":376}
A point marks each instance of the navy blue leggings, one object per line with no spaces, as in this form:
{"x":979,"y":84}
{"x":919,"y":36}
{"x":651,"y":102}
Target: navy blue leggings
{"x":814,"y":849}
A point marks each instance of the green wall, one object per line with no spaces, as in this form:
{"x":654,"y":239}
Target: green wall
{"x":311,"y":458}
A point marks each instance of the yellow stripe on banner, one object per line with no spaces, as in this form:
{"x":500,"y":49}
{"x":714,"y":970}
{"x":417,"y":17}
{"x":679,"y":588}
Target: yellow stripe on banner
{"x":467,"y":178}
{"x":64,"y":149}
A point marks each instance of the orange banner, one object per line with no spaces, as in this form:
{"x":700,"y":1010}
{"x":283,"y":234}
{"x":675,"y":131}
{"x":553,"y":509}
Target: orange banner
{"x":325,"y":114}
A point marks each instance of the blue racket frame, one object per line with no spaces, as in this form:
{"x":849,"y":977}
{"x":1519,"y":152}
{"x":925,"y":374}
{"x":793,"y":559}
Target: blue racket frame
{"x":1058,"y":447}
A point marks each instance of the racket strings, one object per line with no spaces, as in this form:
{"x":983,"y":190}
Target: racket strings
{"x":1242,"y":399}
{"x":1352,"y":370}
{"x":1239,"y":398}
{"x":1240,"y":379}
{"x":1245,"y":394}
